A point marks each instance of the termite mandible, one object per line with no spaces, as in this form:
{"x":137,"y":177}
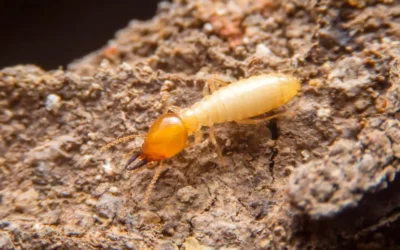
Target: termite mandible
{"x":238,"y":101}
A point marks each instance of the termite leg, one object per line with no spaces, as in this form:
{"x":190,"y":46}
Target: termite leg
{"x":174,"y":109}
{"x":206,"y":90}
{"x":214,"y":141}
{"x":152,"y":183}
{"x":198,"y":137}
{"x":151,"y":165}
{"x":219,"y":81}
{"x":256,"y":121}
{"x":118,"y":141}
{"x":212,"y":86}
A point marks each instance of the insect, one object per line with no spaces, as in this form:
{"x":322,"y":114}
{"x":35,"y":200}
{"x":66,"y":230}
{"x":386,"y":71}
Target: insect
{"x":238,"y":101}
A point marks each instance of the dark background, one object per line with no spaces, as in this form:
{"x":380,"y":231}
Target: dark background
{"x":54,"y":33}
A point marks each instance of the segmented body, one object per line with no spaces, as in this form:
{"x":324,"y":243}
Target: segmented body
{"x":246,"y":98}
{"x":240,"y":100}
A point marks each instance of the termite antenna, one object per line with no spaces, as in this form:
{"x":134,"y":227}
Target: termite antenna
{"x":152,"y":183}
{"x":117,"y":141}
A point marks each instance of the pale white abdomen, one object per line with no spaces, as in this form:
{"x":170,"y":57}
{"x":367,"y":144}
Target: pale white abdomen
{"x":242,"y":99}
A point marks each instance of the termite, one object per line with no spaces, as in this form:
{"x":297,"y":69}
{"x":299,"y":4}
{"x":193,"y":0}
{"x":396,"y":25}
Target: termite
{"x":238,"y":101}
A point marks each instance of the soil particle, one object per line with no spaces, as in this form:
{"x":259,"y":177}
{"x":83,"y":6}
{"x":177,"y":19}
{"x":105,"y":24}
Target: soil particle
{"x":5,"y":242}
{"x":108,"y":206}
{"x":187,"y":194}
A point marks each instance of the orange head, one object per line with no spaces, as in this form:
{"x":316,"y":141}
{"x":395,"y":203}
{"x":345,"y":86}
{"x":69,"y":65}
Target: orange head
{"x":166,"y":137}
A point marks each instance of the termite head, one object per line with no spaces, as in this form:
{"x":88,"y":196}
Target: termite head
{"x":166,"y":137}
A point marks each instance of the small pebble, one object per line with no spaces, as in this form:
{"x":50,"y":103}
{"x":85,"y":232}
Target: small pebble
{"x":126,"y":67}
{"x":187,"y":194}
{"x":147,"y":69}
{"x":361,"y":104}
{"x":108,"y":169}
{"x":208,"y":27}
{"x":108,"y":206}
{"x":324,"y":113}
{"x":380,"y":104}
{"x":168,"y":84}
{"x":305,"y":154}
{"x":123,"y":75}
{"x":114,"y":190}
{"x":262,"y":50}
{"x":105,"y":63}
{"x":92,"y":136}
{"x":53,"y":103}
